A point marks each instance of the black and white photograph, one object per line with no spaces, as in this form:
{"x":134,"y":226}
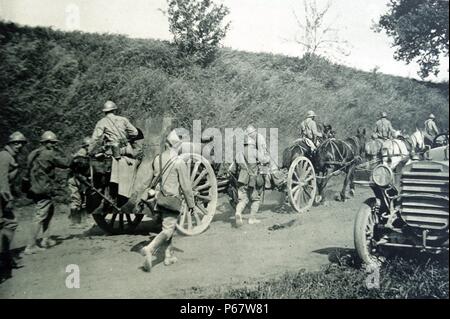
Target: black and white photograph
{"x":234,"y":150}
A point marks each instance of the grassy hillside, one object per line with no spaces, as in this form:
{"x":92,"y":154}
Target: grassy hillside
{"x":59,"y":81}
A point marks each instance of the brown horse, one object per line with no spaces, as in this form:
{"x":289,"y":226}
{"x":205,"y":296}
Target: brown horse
{"x":335,"y":155}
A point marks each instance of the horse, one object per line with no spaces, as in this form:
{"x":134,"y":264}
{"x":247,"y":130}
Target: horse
{"x":301,"y":148}
{"x":339,"y":155}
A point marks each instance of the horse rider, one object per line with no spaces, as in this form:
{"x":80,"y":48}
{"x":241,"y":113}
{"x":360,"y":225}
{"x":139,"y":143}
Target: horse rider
{"x":250,"y":182}
{"x":114,"y":132}
{"x":431,"y":129}
{"x":42,"y":164}
{"x":9,"y":169}
{"x":383,"y":128}
{"x":173,"y":179}
{"x":309,"y":131}
{"x":80,"y":171}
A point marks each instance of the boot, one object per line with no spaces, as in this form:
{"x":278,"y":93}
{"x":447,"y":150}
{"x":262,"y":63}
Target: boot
{"x":169,"y":258}
{"x":150,"y":249}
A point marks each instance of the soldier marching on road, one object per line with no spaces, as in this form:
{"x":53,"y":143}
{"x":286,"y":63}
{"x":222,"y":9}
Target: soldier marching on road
{"x":250,"y":182}
{"x":8,"y":223}
{"x":42,"y":163}
{"x":172,"y":175}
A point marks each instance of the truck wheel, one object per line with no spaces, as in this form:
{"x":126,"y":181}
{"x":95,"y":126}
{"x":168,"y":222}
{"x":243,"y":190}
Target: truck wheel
{"x":364,"y":234}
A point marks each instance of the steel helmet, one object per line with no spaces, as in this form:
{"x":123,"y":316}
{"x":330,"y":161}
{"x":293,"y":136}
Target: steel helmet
{"x":87,"y":141}
{"x":431,"y":116}
{"x":109,"y":106}
{"x":250,"y":129}
{"x":173,"y":139}
{"x":49,"y":136}
{"x":383,"y":114}
{"x":310,"y":114}
{"x":17,"y":137}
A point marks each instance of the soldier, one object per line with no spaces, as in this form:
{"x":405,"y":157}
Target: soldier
{"x":174,"y":178}
{"x":309,"y":131}
{"x":273,"y":173}
{"x":42,"y":163}
{"x":79,"y":171}
{"x":8,"y":172}
{"x":431,"y":129}
{"x":113,"y":131}
{"x":250,"y":182}
{"x":383,"y":127}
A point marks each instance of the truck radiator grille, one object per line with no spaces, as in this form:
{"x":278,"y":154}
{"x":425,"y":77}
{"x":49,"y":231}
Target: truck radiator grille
{"x":424,"y":201}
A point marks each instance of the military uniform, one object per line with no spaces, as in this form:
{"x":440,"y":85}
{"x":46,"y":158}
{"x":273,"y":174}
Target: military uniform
{"x":309,"y":131}
{"x":76,"y":187}
{"x":250,"y":182}
{"x":114,"y":131}
{"x":172,"y":180}
{"x":9,"y":169}
{"x":430,"y":131}
{"x":8,"y":221}
{"x":42,"y":164}
{"x":384,"y":129}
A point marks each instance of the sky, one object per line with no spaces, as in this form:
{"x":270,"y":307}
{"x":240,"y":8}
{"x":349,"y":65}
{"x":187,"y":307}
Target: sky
{"x":256,"y":26}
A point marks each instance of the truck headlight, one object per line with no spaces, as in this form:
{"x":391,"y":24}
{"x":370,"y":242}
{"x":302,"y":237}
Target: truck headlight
{"x":382,"y":176}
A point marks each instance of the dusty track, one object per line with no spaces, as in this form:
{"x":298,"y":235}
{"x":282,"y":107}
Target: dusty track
{"x":223,"y":255}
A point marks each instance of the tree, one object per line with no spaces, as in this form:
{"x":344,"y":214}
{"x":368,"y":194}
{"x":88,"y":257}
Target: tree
{"x":420,"y":32}
{"x":197,"y":27}
{"x":315,"y":35}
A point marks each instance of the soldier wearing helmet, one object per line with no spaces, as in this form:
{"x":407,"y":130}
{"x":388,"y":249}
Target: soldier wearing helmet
{"x":8,"y":223}
{"x":113,"y":131}
{"x":383,"y":127}
{"x":77,"y":187}
{"x":309,"y":131}
{"x":42,"y":164}
{"x":174,"y":182}
{"x":430,"y":130}
{"x":250,"y":183}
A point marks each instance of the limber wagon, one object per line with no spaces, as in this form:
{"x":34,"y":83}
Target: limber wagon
{"x":117,"y":211}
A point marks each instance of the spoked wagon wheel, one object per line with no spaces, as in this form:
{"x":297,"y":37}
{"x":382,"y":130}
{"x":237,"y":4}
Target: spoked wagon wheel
{"x":301,"y":184}
{"x":204,"y":187}
{"x":111,"y":221}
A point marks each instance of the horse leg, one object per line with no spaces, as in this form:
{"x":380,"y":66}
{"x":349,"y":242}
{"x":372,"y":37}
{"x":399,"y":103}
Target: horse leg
{"x":352,"y":180}
{"x":321,"y":186}
{"x":344,"y":186}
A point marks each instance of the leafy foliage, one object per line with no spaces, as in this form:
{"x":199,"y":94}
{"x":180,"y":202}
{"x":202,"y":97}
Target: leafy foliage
{"x":197,"y":27}
{"x":59,"y":81}
{"x":420,"y":31}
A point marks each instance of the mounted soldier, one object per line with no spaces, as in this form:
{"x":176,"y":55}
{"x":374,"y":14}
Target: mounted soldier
{"x":309,"y":131}
{"x":113,"y":133}
{"x":9,"y":169}
{"x":383,"y":128}
{"x":431,"y":129}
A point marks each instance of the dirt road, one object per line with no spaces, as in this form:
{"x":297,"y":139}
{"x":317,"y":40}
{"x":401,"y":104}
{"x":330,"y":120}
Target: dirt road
{"x":110,"y":266}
